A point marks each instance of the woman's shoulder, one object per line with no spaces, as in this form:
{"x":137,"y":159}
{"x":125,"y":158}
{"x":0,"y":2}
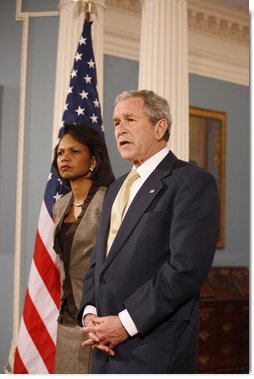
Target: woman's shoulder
{"x":60,"y":203}
{"x":96,"y":202}
{"x":100,"y":193}
{"x":101,"y":190}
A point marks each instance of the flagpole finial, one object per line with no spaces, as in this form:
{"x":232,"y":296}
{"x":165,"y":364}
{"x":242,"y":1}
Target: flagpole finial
{"x":88,"y":10}
{"x":86,"y":6}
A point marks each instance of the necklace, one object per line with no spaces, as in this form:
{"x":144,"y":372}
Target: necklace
{"x":78,"y":204}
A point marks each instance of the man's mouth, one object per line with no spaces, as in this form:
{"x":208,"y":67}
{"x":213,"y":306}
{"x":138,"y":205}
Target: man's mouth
{"x":123,"y":143}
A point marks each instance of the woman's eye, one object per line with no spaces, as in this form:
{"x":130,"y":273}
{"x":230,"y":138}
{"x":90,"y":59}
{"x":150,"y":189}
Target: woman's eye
{"x":59,"y":153}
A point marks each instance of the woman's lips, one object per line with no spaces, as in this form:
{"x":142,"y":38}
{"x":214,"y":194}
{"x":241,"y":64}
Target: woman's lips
{"x":65,"y":167}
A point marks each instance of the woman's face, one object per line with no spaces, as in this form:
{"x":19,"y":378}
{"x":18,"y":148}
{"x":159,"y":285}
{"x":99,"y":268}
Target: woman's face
{"x":73,"y":159}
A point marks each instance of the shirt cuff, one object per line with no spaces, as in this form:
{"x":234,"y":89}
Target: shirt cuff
{"x":128,"y":323}
{"x":88,"y":309}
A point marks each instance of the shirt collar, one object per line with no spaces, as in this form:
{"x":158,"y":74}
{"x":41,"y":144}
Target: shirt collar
{"x":146,"y":168}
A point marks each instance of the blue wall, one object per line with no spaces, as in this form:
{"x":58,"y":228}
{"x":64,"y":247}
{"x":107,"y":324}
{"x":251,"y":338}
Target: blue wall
{"x":119,"y":74}
{"x":10,"y":47}
{"x":234,"y":100}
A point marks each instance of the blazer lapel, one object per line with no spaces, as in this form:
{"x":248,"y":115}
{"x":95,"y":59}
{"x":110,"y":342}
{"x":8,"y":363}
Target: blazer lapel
{"x":88,"y":221}
{"x":147,"y":193}
{"x":61,"y":212}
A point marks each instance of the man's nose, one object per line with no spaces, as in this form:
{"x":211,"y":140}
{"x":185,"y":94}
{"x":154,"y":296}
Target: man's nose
{"x":120,"y":129}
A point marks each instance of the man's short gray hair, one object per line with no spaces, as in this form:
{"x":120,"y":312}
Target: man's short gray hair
{"x":155,"y":106}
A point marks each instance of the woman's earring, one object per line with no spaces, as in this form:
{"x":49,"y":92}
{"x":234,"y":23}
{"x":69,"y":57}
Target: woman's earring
{"x":91,"y":169}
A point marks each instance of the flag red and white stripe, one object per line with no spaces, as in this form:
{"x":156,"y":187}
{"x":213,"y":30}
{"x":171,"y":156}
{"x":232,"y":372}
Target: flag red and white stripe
{"x":41,"y":305}
{"x":35,"y":350}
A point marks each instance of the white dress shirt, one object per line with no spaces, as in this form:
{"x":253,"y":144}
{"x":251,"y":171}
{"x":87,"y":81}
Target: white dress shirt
{"x":144,"y":170}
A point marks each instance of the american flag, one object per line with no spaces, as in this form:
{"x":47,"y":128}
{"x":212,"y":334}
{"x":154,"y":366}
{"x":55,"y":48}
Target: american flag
{"x":35,"y":351}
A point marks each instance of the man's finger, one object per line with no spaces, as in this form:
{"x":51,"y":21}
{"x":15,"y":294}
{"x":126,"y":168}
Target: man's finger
{"x":104,"y":348}
{"x":88,"y":329}
{"x":88,"y":342}
{"x":90,"y":333}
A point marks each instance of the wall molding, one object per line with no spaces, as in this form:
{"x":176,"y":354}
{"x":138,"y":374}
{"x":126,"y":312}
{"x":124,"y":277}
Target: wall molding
{"x":218,"y":20}
{"x":203,"y":15}
{"x":131,"y":5}
{"x":218,"y":26}
{"x":21,"y":16}
{"x":218,"y":37}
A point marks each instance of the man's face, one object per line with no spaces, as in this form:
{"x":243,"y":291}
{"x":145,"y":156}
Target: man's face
{"x":135,"y":135}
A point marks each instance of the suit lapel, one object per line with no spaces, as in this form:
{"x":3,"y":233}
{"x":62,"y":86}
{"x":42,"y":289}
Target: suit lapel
{"x":147,"y":193}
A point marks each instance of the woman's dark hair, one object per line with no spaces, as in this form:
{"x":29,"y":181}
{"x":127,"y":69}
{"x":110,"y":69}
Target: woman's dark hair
{"x":103,"y":174}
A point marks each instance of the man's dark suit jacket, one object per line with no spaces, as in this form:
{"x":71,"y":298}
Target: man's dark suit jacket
{"x":158,"y":261}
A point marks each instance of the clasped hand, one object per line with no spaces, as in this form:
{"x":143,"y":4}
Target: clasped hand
{"x":104,"y":333}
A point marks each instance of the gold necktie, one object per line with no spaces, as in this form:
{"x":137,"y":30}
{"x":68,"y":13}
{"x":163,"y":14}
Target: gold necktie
{"x":119,"y":206}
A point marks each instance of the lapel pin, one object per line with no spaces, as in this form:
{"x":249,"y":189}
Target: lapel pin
{"x":152,"y":190}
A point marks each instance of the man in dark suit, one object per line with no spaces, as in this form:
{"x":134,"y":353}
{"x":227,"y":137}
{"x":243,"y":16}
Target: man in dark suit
{"x":141,"y":294}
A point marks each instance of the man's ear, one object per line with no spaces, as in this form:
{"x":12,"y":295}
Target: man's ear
{"x":160,"y":129}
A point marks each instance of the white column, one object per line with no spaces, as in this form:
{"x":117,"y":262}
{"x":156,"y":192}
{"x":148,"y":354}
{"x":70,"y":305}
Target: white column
{"x":71,"y":20}
{"x":163,"y":65}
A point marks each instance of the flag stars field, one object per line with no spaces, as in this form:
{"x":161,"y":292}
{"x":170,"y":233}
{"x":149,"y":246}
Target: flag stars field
{"x":78,"y":57}
{"x":93,"y":118}
{"x":82,"y":40}
{"x":91,"y":63}
{"x":80,"y":111}
{"x":74,"y":73}
{"x":83,"y":94}
{"x":96,"y":103}
{"x":88,"y":78}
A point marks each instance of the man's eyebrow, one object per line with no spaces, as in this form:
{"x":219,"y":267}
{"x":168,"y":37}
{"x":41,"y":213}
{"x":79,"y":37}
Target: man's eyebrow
{"x":125,"y":115}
